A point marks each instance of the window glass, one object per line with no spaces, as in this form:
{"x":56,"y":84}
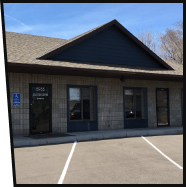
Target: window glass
{"x":82,"y":102}
{"x":86,"y":103}
{"x":138,"y":103}
{"x":92,"y":104}
{"x":75,"y":103}
{"x":135,"y":103}
{"x":85,"y":93}
{"x":129,"y":104}
{"x":162,"y":98}
{"x":143,"y":99}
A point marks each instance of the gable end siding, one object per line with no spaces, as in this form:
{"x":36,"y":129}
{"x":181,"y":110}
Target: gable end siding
{"x":110,"y":47}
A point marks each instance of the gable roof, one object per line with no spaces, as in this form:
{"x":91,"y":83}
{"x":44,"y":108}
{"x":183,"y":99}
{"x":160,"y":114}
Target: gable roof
{"x":22,"y":50}
{"x":96,"y":30}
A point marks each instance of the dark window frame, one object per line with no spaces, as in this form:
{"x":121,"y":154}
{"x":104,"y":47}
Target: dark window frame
{"x":81,"y":86}
{"x":135,"y":88}
{"x":168,"y":107}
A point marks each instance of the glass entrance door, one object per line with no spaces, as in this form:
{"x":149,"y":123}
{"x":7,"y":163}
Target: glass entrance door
{"x":40,"y":108}
{"x":162,"y":105}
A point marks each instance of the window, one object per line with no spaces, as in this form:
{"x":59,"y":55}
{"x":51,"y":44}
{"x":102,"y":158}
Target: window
{"x":82,"y":103}
{"x":135,"y":103}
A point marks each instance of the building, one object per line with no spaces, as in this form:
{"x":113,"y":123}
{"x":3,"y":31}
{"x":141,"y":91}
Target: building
{"x":102,"y":79}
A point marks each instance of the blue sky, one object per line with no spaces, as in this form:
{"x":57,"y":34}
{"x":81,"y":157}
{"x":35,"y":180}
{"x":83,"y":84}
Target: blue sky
{"x":67,"y":20}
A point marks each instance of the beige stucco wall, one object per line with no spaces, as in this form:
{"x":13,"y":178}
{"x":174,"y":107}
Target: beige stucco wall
{"x":109,"y":98}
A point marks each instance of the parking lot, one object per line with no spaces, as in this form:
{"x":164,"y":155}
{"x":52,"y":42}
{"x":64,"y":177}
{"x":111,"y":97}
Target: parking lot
{"x":124,"y":161}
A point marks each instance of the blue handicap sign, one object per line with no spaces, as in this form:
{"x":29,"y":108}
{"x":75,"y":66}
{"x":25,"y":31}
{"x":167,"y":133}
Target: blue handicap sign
{"x":16,"y":99}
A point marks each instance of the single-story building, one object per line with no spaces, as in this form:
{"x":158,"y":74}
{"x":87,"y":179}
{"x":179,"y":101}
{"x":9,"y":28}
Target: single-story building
{"x":102,"y":79}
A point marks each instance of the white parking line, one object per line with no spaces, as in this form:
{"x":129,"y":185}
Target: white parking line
{"x":66,"y":165}
{"x":162,"y":153}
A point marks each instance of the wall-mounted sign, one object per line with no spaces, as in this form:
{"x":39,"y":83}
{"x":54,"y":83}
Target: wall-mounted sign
{"x":16,"y":99}
{"x":41,"y":89}
{"x":40,"y":94}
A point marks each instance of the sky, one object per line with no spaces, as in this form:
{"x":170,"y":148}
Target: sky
{"x":67,"y":20}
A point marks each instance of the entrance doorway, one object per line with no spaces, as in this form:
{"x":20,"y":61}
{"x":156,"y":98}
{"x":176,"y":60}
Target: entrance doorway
{"x":40,"y":102}
{"x":81,"y":108}
{"x":162,"y":106}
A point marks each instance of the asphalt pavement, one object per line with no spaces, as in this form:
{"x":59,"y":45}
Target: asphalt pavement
{"x":113,"y":161}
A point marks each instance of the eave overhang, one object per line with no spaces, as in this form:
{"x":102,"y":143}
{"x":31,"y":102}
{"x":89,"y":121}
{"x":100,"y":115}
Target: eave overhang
{"x":71,"y":71}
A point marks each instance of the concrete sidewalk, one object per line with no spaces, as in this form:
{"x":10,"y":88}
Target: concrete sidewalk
{"x":22,"y":141}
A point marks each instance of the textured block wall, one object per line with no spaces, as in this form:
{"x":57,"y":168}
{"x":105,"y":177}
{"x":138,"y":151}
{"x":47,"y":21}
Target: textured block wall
{"x":109,"y":97}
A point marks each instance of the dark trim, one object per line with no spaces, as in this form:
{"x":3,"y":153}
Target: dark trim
{"x":168,"y":113}
{"x":123,"y":30}
{"x":81,"y":121}
{"x":58,"y":70}
{"x":50,"y":97}
{"x":146,"y":119}
{"x":182,"y":104}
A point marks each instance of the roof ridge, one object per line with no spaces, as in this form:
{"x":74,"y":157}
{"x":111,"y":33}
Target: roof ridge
{"x":77,"y":37}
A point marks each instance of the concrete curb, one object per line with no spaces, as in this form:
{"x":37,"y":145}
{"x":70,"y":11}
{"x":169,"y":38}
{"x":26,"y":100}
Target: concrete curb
{"x":21,"y":141}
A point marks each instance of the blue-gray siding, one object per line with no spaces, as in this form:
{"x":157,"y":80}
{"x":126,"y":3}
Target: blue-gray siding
{"x":108,"y":46}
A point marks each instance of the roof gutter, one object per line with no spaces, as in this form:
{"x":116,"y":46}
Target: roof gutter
{"x":58,"y":70}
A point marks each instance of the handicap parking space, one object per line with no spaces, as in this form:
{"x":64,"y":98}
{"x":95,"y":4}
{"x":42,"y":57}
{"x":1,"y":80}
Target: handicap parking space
{"x":114,"y":161}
